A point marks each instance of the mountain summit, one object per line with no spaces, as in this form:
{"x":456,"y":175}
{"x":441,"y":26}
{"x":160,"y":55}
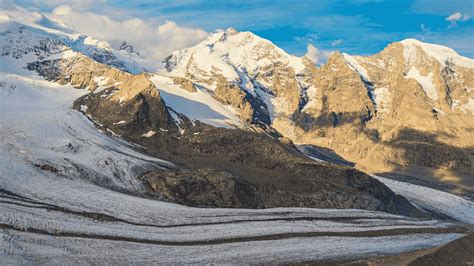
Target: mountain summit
{"x":244,"y":71}
{"x":228,"y":53}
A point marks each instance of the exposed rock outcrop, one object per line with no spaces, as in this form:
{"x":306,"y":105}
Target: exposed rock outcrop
{"x":231,"y":94}
{"x":457,"y":252}
{"x":185,"y":84}
{"x":121,"y":101}
{"x":273,"y":174}
{"x":203,"y":187}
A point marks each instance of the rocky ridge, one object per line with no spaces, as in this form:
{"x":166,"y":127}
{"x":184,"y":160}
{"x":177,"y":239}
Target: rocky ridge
{"x":415,"y":111}
{"x":407,"y":109}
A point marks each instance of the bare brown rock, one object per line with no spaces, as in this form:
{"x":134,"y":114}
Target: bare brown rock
{"x":184,"y":83}
{"x":230,"y":93}
{"x":202,"y":187}
{"x":118,"y":100}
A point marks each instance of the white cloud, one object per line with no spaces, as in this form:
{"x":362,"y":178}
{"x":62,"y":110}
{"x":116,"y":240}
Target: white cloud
{"x":457,"y":17}
{"x":336,"y":42}
{"x":317,"y":55}
{"x":310,"y":37}
{"x":153,"y":41}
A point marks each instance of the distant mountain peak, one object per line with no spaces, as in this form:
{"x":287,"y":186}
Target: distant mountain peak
{"x":127,"y":47}
{"x":232,"y":31}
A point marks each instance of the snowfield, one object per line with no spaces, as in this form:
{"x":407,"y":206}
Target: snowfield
{"x":439,"y":52}
{"x":426,"y":82}
{"x":199,"y":105}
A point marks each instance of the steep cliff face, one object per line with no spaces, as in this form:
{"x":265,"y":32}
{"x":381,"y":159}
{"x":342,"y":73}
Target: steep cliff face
{"x":407,"y":108}
{"x":336,"y":99}
{"x":421,"y":94}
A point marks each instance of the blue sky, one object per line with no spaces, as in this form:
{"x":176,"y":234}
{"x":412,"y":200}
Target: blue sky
{"x":353,"y":26}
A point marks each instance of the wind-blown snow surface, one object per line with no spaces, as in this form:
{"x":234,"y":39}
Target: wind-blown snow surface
{"x":68,"y":195}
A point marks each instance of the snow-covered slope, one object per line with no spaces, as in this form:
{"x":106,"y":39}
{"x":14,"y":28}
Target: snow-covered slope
{"x":198,"y":105}
{"x":426,"y":82}
{"x":40,"y":130}
{"x":439,"y":52}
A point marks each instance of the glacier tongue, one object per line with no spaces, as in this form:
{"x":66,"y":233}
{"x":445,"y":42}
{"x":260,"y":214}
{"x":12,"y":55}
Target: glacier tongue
{"x":39,"y":129}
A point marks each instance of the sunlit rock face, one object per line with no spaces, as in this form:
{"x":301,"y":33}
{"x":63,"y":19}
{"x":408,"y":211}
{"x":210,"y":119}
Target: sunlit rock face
{"x":408,"y":106}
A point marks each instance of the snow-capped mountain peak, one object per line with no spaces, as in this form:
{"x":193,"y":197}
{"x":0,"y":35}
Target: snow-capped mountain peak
{"x":126,"y":47}
{"x":438,"y":52}
{"x":27,"y":33}
{"x":244,"y":71}
{"x":53,"y":24}
{"x":226,"y":51}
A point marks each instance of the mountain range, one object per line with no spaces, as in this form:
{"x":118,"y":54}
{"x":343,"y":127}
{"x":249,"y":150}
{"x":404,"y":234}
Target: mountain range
{"x":408,"y":108}
{"x":232,"y":122}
